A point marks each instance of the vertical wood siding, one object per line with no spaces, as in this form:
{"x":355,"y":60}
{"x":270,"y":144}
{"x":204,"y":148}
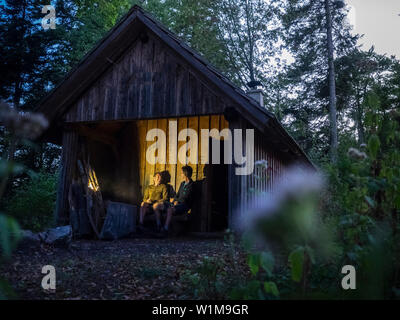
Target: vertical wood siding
{"x":248,"y":190}
{"x":148,"y":81}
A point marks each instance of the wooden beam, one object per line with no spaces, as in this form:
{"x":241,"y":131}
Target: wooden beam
{"x":96,"y":135}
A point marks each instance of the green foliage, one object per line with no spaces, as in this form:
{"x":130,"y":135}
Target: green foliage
{"x":33,"y":204}
{"x":271,"y":288}
{"x":304,"y":83}
{"x":254,"y":263}
{"x":260,"y":286}
{"x":373,"y":146}
{"x":261,"y":261}
{"x":207,"y":279}
{"x":9,"y":235}
{"x":360,"y":209}
{"x":9,"y":228}
{"x":252,"y":290}
{"x":364,"y":188}
{"x":267,"y":262}
{"x":296,"y":260}
{"x":23,"y":50}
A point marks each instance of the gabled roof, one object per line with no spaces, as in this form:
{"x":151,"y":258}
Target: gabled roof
{"x":114,"y":44}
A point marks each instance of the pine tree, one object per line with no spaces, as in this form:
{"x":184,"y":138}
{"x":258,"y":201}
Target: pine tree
{"x":358,"y":72}
{"x":23,"y":50}
{"x":249,"y":30}
{"x":305,"y":35}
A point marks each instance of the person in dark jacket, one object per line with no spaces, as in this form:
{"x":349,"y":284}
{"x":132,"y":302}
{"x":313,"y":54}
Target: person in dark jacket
{"x":184,"y":198}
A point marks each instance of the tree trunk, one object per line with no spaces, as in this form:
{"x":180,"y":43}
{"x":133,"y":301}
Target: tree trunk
{"x":360,"y":127}
{"x":18,"y":85}
{"x":17,"y":93}
{"x":332,"y":86}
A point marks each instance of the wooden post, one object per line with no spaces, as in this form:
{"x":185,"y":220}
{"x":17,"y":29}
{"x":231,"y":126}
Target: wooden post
{"x":68,"y":161}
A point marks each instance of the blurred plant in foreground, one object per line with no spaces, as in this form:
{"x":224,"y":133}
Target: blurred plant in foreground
{"x":288,"y":214}
{"x":287,"y":225}
{"x":18,"y":126}
{"x":287,"y":220}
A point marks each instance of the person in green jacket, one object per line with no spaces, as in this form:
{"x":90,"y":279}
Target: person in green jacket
{"x":153,"y":200}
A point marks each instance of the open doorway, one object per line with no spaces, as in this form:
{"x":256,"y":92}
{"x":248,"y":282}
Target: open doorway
{"x":215,"y":193}
{"x":219,"y":197}
{"x":111,"y":150}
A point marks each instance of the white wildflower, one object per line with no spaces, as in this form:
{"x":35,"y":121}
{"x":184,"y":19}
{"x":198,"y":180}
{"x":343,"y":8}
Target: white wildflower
{"x":356,"y":154}
{"x":262,"y":163}
{"x":23,"y":125}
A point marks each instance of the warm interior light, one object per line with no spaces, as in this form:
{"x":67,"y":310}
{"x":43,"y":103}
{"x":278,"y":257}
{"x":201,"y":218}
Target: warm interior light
{"x":93,"y":183}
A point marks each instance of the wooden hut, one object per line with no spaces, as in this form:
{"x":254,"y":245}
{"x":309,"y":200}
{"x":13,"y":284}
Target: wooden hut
{"x":140,"y":76}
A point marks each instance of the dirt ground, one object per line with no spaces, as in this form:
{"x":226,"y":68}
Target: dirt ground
{"x":124,"y":269}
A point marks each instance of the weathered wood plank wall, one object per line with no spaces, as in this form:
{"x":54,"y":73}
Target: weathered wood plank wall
{"x":149,"y":81}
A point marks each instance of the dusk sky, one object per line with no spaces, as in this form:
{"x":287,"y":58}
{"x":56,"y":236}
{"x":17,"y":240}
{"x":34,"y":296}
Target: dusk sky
{"x":379,"y":20}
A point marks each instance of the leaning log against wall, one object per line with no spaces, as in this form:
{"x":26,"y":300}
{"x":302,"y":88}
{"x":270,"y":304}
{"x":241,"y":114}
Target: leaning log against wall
{"x":95,"y":208}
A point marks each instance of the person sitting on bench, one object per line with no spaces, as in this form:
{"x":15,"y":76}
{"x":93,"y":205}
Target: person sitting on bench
{"x":166,"y":179}
{"x":183,"y":200}
{"x":153,"y":200}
